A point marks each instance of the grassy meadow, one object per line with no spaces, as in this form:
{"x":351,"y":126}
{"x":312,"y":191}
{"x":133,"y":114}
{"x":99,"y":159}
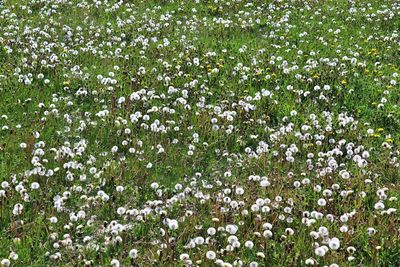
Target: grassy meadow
{"x":199,"y":133}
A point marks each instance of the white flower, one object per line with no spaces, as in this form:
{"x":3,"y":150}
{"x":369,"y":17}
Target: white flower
{"x":35,"y":185}
{"x":119,"y":188}
{"x":5,"y":262}
{"x":17,"y":210}
{"x":289,"y":231}
{"x":260,"y":254}
{"x":379,"y":206}
{"x":321,"y":202}
{"x":249,"y":244}
{"x":371,"y":231}
{"x":239,"y":191}
{"x":264,"y":183}
{"x":133,"y":253}
{"x":13,"y":256}
{"x":199,"y":240}
{"x":184,"y":257}
{"x":210,"y":255}
{"x":115,"y":263}
{"x":351,"y":249}
{"x":121,"y":210}
{"x":92,"y":170}
{"x":310,"y":261}
{"x":321,"y":251}
{"x":334,"y":243}
{"x":114,"y":149}
{"x":231,"y":229}
{"x":232,"y":239}
{"x":211,"y":231}
{"x":267,"y":233}
{"x":267,"y":226}
{"x":219,"y":262}
{"x":323,"y":231}
{"x":4,"y":184}
{"x":345,"y":175}
{"x":172,"y":224}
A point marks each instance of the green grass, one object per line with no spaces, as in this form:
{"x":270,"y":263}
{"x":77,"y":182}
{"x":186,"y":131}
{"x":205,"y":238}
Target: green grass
{"x":236,"y":63}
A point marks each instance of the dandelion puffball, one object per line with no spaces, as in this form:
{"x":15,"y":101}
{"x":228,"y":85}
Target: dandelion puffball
{"x":321,"y":251}
{"x":334,"y":243}
{"x":133,"y":253}
{"x":210,"y":255}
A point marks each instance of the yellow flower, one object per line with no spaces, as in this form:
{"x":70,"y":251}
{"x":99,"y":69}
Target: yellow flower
{"x":344,"y":82}
{"x":373,"y":51}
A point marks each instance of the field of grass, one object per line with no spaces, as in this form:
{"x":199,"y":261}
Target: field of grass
{"x":199,"y":133}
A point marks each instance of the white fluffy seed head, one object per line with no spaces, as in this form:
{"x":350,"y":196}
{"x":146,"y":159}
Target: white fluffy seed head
{"x":133,"y":253}
{"x":320,"y":251}
{"x":5,"y":262}
{"x":249,"y":244}
{"x":334,"y":243}
{"x":211,"y":255}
